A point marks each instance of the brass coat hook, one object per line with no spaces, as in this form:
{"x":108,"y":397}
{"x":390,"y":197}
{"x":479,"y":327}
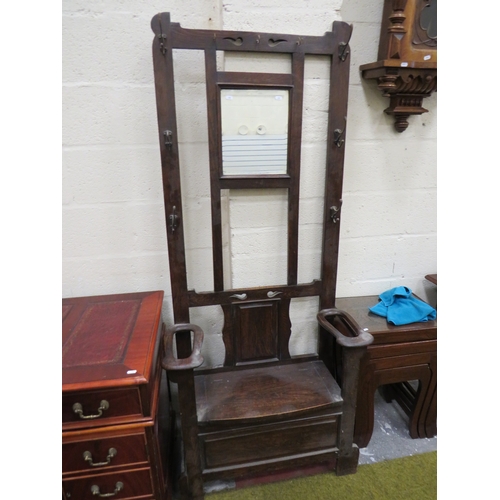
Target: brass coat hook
{"x":344,"y":47}
{"x":338,"y":135}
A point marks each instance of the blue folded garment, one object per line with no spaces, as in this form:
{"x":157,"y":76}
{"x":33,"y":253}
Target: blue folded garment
{"x":400,"y":307}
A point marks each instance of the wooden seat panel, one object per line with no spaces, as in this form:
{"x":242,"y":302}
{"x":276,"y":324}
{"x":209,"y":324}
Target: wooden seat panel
{"x":267,"y":392}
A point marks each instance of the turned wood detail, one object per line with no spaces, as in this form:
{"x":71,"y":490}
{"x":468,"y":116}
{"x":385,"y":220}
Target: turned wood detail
{"x":420,"y":84}
{"x":406,"y":93}
{"x":396,"y":28}
{"x":406,"y":70}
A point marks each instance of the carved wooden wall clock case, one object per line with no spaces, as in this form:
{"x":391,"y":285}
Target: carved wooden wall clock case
{"x":406,"y":69}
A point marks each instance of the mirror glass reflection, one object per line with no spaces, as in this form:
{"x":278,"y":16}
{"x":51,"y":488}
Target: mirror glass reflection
{"x":254,"y":125}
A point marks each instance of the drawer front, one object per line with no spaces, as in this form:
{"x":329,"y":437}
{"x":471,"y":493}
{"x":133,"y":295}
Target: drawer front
{"x":251,"y":445}
{"x":402,"y":349}
{"x":95,"y":455}
{"x":99,"y":406}
{"x":127,"y":485}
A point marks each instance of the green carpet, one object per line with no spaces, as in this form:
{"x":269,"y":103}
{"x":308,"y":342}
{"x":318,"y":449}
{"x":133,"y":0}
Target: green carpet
{"x":408,"y":478}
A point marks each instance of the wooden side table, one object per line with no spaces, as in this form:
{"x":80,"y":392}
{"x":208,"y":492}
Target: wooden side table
{"x":115,"y":428}
{"x":399,"y":354}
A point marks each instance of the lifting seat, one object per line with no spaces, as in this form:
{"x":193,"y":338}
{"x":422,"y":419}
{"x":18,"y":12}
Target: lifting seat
{"x":263,"y":410}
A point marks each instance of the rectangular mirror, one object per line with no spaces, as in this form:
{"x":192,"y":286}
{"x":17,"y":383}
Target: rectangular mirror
{"x":254,"y":125}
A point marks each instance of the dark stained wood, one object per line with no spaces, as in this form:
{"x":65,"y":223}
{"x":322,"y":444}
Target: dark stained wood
{"x":258,"y":80}
{"x":372,"y":376}
{"x":262,"y":411}
{"x":241,"y":41}
{"x":265,"y":393}
{"x":259,"y":444}
{"x":254,"y":182}
{"x":324,"y":456}
{"x":433,"y":278}
{"x":256,"y":330}
{"x":189,"y":429}
{"x":398,"y":354}
{"x":284,"y":329}
{"x":382,"y":331}
{"x":337,"y":120}
{"x":215,"y":155}
{"x":197,"y":299}
{"x":111,"y":351}
{"x":351,"y":336}
{"x":294,"y":150}
{"x":227,"y":335}
{"x":165,"y":102}
{"x":427,"y":425}
{"x":170,"y":362}
{"x":172,"y":197}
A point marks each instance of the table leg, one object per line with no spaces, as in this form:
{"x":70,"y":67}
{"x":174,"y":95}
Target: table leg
{"x":427,"y":418}
{"x":372,"y":378}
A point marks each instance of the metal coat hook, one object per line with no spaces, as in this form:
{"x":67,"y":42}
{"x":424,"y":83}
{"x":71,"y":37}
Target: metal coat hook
{"x":173,"y":218}
{"x":240,"y":296}
{"x":338,"y":133}
{"x":344,"y":47}
{"x":335,"y":212}
{"x":163,"y":38}
{"x":167,"y":134}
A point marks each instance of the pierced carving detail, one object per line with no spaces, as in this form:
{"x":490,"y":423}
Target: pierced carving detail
{"x":272,"y":42}
{"x":235,"y":41}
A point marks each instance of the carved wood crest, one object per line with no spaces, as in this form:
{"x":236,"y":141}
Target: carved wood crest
{"x":406,"y":70}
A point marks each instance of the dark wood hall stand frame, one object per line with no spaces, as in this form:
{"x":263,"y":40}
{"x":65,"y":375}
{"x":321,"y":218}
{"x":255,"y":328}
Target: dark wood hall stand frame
{"x":264,"y":411}
{"x":398,"y":355}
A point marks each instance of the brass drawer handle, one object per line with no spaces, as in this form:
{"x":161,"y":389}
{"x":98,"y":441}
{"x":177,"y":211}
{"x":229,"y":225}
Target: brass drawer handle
{"x":78,"y":409}
{"x":87,"y":456}
{"x":95,"y":490}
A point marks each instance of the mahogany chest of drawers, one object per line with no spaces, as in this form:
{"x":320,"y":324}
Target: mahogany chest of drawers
{"x":115,"y":426}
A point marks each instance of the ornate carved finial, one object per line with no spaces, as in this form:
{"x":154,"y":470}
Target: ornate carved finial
{"x":401,"y":123}
{"x":397,"y":17}
{"x":396,"y":29}
{"x":404,"y":74}
{"x":407,"y":100}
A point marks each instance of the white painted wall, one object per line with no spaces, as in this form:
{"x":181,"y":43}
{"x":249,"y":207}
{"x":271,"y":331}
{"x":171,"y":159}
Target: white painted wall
{"x":114,"y":236}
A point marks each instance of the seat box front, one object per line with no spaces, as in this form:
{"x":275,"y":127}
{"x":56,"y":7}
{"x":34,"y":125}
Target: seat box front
{"x":252,"y":444}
